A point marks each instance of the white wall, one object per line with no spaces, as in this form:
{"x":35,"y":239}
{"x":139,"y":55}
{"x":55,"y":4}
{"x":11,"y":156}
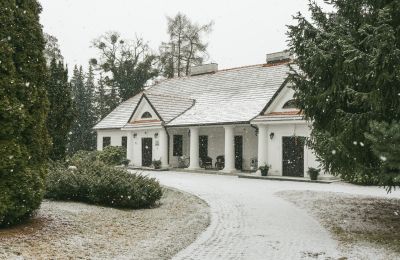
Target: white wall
{"x":144,"y":106}
{"x":284,"y":96}
{"x":115,"y":134}
{"x":136,"y":144}
{"x":216,"y":142}
{"x":274,"y":145}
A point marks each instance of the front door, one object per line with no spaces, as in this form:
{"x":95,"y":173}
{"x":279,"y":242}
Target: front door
{"x":293,"y":156}
{"x":239,"y":152}
{"x":147,"y":151}
{"x":203,"y":146}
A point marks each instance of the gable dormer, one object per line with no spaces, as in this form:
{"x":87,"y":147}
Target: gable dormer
{"x":283,"y":103}
{"x":144,"y":112}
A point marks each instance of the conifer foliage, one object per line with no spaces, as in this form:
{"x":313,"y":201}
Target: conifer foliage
{"x":82,"y":136}
{"x":61,"y":111}
{"x":347,"y":83}
{"x":24,"y":141}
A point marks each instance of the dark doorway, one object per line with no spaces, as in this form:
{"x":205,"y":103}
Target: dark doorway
{"x":239,"y":152}
{"x":293,"y":156}
{"x":147,"y":151}
{"x":203,"y":146}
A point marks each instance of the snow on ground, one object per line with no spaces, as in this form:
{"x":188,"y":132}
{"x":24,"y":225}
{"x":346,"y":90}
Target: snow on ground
{"x":249,"y":221}
{"x":68,"y":230}
{"x":367,"y":227}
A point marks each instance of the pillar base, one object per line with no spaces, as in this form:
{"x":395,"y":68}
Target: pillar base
{"x":194,"y":168}
{"x":228,"y":170}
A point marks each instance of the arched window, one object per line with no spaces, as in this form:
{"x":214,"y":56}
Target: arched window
{"x":290,"y":104}
{"x":146,"y":115}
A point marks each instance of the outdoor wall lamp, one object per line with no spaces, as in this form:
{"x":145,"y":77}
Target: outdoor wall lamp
{"x":134,"y":135}
{"x":155,"y":135}
{"x":271,"y":135}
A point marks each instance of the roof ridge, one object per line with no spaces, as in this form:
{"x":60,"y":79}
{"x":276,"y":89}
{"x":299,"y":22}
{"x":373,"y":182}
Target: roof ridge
{"x":207,"y":74}
{"x":241,"y":67}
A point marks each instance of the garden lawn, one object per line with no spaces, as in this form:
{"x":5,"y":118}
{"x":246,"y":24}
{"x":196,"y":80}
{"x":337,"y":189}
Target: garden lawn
{"x":364,"y":225}
{"x":78,"y":230}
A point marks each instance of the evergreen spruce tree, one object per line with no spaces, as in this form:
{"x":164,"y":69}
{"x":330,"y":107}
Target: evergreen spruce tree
{"x":100,"y":100}
{"x":82,"y":135}
{"x":61,"y":114}
{"x":24,"y":141}
{"x":347,"y":83}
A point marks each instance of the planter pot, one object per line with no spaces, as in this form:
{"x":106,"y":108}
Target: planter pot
{"x":264,"y":173}
{"x":313,"y":176}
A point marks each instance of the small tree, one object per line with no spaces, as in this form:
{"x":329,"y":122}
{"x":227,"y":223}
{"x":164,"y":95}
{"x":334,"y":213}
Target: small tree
{"x":82,"y":133}
{"x":60,"y":116}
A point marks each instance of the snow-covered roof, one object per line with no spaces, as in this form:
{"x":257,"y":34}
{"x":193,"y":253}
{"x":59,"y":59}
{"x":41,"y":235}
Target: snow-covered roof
{"x":228,"y":96}
{"x":169,"y":107}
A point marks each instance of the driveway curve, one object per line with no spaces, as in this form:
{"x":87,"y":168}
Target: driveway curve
{"x":249,"y":222}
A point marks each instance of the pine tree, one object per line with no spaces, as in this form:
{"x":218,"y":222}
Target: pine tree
{"x":24,"y":140}
{"x":82,"y":135}
{"x":348,"y":64}
{"x":61,"y":112}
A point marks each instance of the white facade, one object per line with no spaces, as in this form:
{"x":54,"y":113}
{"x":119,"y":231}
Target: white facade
{"x":234,"y":122}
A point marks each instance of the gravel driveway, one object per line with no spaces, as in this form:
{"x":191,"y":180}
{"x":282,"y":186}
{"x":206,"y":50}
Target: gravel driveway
{"x":249,"y":222}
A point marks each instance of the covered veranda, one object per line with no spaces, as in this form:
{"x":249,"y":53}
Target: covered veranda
{"x":235,"y":143}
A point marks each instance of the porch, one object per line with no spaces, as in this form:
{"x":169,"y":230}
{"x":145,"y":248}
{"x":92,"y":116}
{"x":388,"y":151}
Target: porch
{"x":204,"y":146}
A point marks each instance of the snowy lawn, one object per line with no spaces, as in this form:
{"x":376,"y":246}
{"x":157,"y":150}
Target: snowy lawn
{"x":363,"y":225}
{"x":77,"y":230}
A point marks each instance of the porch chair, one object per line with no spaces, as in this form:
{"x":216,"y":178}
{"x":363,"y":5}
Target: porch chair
{"x":206,"y":162}
{"x":220,"y":163}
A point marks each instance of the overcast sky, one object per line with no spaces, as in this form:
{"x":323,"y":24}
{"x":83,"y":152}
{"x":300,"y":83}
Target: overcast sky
{"x":244,"y":31}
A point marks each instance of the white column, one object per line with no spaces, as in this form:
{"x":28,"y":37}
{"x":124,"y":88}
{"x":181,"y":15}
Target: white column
{"x":129,"y":147}
{"x":229,"y":150}
{"x":163,"y":148}
{"x":194,"y":148}
{"x":99,"y":141}
{"x":262,"y":145}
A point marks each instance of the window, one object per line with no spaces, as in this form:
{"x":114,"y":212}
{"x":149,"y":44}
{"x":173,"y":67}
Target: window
{"x":124,"y":142}
{"x":106,"y":141}
{"x":290,"y":104}
{"x":146,"y":115}
{"x":178,"y":144}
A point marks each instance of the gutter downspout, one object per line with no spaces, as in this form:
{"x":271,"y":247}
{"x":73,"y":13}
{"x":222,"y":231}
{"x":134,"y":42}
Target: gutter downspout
{"x":168,"y":142}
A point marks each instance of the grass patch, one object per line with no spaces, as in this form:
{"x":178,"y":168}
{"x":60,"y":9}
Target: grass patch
{"x":353,"y":218}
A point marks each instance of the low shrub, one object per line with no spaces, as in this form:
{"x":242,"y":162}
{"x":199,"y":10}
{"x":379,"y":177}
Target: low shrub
{"x":82,"y":157}
{"x":313,"y":173}
{"x":113,"y":155}
{"x":98,"y":183}
{"x":264,"y":169}
{"x":157,"y":164}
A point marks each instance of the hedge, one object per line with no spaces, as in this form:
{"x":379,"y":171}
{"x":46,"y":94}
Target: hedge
{"x":97,"y":183}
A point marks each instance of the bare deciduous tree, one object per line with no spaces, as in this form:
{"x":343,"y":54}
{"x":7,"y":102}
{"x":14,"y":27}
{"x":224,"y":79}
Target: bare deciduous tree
{"x":185,"y":47}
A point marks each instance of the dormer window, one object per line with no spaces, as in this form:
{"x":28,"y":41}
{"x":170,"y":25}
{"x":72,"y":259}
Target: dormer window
{"x":146,"y":115}
{"x":291,"y":104}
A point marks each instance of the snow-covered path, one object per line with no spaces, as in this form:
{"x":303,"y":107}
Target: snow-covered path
{"x":249,"y":222}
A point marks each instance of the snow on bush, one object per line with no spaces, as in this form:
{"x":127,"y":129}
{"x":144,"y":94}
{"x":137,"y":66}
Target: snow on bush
{"x":97,"y":183}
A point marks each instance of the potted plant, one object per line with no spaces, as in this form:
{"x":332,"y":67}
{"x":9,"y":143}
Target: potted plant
{"x":157,"y":164}
{"x":264,"y":169}
{"x":313,"y":173}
